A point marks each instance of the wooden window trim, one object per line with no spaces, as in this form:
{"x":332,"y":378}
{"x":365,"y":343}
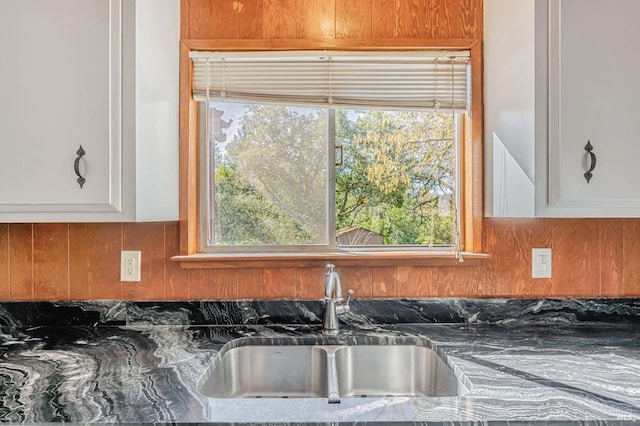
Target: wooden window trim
{"x":471,"y":209}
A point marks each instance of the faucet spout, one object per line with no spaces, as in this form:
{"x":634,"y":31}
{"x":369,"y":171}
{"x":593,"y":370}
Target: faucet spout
{"x":332,"y":286}
{"x":334,"y":303}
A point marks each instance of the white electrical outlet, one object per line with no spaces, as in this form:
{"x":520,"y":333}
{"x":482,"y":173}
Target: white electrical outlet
{"x":130,"y":266}
{"x":541,"y":263}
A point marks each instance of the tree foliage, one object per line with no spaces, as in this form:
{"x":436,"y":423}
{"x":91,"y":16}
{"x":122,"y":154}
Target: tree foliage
{"x":399,"y":167}
{"x":270,"y":182}
{"x":242,"y":217}
{"x":282,"y":154}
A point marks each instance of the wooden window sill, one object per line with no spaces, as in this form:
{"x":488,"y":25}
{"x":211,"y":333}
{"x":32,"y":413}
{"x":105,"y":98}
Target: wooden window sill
{"x":320,"y":259}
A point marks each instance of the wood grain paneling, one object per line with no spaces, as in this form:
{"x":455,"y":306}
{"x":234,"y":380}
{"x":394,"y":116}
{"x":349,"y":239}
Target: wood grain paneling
{"x":250,"y":14}
{"x":279,"y":283}
{"x":188,"y":181}
{"x":383,"y":19}
{"x":473,"y":154}
{"x":575,"y":254}
{"x":51,"y":261}
{"x":279,"y":19}
{"x":457,"y":281}
{"x":176,"y":279}
{"x":509,"y":242}
{"x":310,"y":283}
{"x":5,"y":289}
{"x":490,"y":240}
{"x":185,"y":23}
{"x":611,"y":257}
{"x":148,"y":238}
{"x":631,"y":265}
{"x":316,"y":19}
{"x":467,"y":19}
{"x":353,"y":19}
{"x":453,"y":19}
{"x":250,"y":283}
{"x":21,"y":261}
{"x":358,"y":279}
{"x":591,"y":258}
{"x":410,"y":18}
{"x":213,"y":19}
{"x":413,"y":281}
{"x":383,"y":282}
{"x":94,"y":263}
{"x":213,"y":284}
{"x":328,"y":19}
{"x":438,"y":19}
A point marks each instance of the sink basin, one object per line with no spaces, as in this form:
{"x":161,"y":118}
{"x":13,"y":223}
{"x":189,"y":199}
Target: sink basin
{"x":267,"y":372}
{"x":393,"y":371}
{"x":328,"y":371}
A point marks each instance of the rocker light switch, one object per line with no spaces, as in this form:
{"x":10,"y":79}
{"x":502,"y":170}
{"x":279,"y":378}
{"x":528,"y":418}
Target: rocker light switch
{"x":541,"y":263}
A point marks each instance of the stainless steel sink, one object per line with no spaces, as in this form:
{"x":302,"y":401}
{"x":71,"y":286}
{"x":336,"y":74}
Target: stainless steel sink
{"x":267,"y":372}
{"x":329,"y":371}
{"x":393,"y":371}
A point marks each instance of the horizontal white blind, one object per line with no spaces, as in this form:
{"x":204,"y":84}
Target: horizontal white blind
{"x":412,"y":79}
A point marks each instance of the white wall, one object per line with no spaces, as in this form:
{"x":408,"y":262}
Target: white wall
{"x":509,"y":107}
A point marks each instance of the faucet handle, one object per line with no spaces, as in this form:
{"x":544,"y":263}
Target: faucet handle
{"x":349,"y":294}
{"x":344,"y":307}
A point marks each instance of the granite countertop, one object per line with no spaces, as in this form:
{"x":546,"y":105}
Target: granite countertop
{"x":121,"y":362}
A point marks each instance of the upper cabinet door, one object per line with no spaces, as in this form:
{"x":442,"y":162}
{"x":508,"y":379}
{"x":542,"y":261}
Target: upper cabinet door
{"x":594,"y":93}
{"x":61,"y":85}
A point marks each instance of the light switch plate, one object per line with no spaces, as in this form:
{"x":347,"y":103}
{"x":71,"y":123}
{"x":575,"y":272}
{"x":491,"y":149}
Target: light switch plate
{"x":541,"y":263}
{"x":130,"y":266}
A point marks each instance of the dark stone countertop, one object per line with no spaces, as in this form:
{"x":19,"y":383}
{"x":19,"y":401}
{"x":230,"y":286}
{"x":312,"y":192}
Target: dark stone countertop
{"x":527,"y":361}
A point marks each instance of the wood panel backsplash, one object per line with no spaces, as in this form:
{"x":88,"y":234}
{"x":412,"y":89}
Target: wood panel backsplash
{"x":331,"y":19}
{"x":591,"y":258}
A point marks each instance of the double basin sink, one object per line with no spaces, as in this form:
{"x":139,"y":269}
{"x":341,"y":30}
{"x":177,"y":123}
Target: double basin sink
{"x":329,"y":371}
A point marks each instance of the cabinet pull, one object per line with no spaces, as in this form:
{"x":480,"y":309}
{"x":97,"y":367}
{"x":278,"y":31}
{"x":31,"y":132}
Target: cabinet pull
{"x":76,"y":166}
{"x":592,"y":157}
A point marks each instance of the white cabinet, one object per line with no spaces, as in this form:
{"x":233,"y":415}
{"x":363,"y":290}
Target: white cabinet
{"x":593,"y":93}
{"x":101,"y":74}
{"x":560,"y":73}
{"x":509,"y":78}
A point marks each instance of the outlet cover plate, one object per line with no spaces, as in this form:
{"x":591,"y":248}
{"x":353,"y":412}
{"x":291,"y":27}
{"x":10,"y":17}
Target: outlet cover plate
{"x":130,"y":265}
{"x":541,"y":263}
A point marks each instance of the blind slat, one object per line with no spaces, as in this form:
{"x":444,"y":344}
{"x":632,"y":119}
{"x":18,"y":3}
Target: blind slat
{"x":422,"y":80}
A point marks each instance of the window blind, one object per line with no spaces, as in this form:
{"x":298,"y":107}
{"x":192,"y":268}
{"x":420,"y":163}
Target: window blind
{"x":407,"y":79}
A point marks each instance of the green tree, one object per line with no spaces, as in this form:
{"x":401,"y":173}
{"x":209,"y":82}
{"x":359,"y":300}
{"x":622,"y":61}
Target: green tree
{"x":243,"y":217}
{"x":282,"y":153}
{"x":398,"y":168}
{"x":398,"y":165}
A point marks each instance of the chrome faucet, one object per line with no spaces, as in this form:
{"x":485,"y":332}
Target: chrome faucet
{"x":334,"y":303}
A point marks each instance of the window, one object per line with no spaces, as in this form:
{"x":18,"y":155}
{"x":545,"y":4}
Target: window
{"x":270,"y":181}
{"x":326,"y":150}
{"x":268,"y":175}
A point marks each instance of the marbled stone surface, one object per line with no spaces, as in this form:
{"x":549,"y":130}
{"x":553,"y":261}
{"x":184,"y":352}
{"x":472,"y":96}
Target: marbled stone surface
{"x":536,"y":361}
{"x":376,"y":311}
